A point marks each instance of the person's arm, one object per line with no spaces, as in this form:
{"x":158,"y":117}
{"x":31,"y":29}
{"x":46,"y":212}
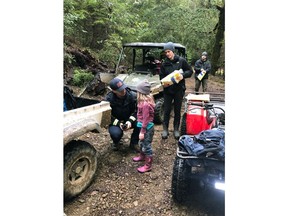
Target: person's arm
{"x":197,"y":67}
{"x":187,"y":69}
{"x":114,"y":120}
{"x":208,"y":67}
{"x":133,"y":110}
{"x":145,"y":121}
{"x":162,"y":73}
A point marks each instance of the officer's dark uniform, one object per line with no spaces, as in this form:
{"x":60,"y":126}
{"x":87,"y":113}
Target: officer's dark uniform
{"x":123,"y":109}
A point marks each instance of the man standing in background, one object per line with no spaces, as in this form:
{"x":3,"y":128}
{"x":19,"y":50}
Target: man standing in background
{"x":202,"y":69}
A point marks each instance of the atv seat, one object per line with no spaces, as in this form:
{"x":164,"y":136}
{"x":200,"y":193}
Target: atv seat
{"x":201,"y":97}
{"x":142,"y":68}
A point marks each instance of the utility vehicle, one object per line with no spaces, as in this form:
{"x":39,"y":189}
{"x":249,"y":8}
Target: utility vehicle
{"x":142,"y":60}
{"x":81,"y":115}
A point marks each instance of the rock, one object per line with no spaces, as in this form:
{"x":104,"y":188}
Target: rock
{"x":135,"y":203}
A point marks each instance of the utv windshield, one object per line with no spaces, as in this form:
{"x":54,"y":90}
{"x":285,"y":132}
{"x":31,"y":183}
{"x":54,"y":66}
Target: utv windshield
{"x":145,"y":57}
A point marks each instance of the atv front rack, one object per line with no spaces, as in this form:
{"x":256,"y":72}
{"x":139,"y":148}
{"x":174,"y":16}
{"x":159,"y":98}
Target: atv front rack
{"x":214,"y":96}
{"x":185,"y":155}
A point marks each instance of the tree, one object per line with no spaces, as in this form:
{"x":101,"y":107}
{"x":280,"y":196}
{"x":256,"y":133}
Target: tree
{"x":219,"y":40}
{"x":104,"y":25}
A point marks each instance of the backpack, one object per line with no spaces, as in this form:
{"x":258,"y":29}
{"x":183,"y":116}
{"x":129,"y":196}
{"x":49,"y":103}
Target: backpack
{"x":212,"y":140}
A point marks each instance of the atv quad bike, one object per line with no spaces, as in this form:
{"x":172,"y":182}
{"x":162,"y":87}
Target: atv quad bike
{"x":142,"y":60}
{"x":199,"y":164}
{"x":200,"y":157}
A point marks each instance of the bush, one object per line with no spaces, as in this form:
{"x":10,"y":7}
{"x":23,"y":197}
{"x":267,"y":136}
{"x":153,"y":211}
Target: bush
{"x":82,"y":77}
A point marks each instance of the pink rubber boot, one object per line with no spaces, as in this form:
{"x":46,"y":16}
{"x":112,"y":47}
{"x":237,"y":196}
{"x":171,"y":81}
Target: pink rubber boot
{"x":140,"y":157}
{"x":148,"y":165}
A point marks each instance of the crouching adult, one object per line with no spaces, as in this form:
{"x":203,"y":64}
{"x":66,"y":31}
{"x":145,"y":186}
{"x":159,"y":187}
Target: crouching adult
{"x":123,"y":102}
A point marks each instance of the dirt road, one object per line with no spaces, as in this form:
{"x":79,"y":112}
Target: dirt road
{"x":120,"y":190}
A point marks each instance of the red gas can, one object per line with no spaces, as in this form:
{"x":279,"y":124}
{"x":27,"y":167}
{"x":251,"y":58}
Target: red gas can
{"x":197,"y":117}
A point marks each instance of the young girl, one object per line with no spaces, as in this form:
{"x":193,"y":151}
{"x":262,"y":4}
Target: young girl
{"x":145,"y":116}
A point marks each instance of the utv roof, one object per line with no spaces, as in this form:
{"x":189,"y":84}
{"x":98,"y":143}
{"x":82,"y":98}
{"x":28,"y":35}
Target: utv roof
{"x":151,"y":45}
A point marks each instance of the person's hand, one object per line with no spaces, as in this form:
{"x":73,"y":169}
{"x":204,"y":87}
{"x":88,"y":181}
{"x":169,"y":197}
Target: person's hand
{"x":180,"y":77}
{"x":141,"y":136}
{"x":129,"y":125}
{"x":121,"y":126}
{"x":165,"y":85}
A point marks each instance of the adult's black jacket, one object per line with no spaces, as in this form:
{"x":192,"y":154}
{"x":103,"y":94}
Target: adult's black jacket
{"x":168,"y":66}
{"x":123,"y":109}
{"x":206,"y":65}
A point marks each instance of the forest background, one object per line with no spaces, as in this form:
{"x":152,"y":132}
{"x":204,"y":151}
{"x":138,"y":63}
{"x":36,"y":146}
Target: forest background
{"x":102,"y":26}
{"x":32,"y":103}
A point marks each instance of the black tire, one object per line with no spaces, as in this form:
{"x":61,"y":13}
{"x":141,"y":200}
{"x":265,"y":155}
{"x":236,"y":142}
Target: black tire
{"x":220,"y":117}
{"x":183,"y":127}
{"x":159,"y":111}
{"x":180,"y":183}
{"x":80,"y":165}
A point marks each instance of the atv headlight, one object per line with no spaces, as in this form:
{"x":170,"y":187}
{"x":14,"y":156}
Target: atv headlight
{"x":220,"y":185}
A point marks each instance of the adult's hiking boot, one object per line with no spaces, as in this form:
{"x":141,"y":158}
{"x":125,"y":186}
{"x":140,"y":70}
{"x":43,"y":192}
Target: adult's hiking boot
{"x":176,"y":132}
{"x":115,"y":146}
{"x":134,"y":147}
{"x":165,"y":132}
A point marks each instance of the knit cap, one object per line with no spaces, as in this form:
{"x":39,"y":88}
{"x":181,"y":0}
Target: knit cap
{"x":144,"y":87}
{"x":169,"y":46}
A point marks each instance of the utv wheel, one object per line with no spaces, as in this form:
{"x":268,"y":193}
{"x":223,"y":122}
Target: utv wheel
{"x":180,"y":184}
{"x":80,"y":165}
{"x":183,"y":125}
{"x":159,"y":111}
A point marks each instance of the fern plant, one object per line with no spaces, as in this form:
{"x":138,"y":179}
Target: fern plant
{"x":82,"y":77}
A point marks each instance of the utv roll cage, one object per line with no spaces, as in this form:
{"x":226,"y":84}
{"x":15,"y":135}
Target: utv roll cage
{"x":145,"y":47}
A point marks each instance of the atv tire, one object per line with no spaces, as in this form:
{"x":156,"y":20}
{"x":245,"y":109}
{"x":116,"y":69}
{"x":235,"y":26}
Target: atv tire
{"x":180,"y":183}
{"x":183,"y":127}
{"x":221,"y":118}
{"x":159,"y":111}
{"x":80,"y":165}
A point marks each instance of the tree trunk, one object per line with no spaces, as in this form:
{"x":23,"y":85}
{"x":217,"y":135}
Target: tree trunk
{"x":218,"y":41}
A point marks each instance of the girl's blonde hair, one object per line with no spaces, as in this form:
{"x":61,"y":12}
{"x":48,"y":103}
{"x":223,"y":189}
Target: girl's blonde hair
{"x":148,"y":98}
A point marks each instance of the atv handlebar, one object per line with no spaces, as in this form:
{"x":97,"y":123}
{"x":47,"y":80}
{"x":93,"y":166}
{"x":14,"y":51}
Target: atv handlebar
{"x":206,"y":107}
{"x":202,"y":104}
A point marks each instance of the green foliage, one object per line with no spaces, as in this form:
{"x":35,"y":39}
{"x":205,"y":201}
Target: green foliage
{"x":82,"y":77}
{"x":68,"y":60}
{"x":103,"y":25}
{"x":111,"y":50}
